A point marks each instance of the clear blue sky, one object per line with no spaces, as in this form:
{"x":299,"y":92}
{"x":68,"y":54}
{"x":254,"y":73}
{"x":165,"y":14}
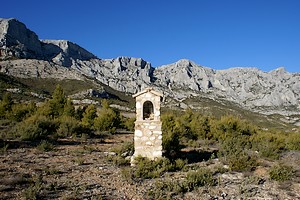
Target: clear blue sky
{"x":215,"y":33}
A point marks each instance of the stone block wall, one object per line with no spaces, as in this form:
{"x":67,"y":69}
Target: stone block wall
{"x":148,"y":139}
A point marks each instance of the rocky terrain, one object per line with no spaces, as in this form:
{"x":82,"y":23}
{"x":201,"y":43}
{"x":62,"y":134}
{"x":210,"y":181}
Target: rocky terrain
{"x":24,"y":55}
{"x":80,"y":169}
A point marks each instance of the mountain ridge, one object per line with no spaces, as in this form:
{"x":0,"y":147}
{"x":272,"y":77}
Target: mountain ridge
{"x":276,"y":91}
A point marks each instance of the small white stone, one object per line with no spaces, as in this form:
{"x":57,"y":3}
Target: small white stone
{"x":145,"y":138}
{"x":157,"y":132}
{"x":157,"y":153}
{"x":149,"y":143}
{"x":152,"y":138}
{"x":160,"y":137}
{"x":138,"y":133}
{"x":152,"y":127}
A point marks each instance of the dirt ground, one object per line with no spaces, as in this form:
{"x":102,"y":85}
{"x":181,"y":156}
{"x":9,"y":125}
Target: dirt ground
{"x":79,"y":169}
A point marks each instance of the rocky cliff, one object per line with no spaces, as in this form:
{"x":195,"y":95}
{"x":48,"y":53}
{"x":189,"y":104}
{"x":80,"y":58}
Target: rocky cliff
{"x":18,"y":41}
{"x":277,"y":91}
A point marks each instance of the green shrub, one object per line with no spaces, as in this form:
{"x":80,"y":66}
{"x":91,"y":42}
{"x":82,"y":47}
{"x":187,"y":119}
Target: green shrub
{"x":171,"y":134}
{"x":58,"y":101}
{"x":119,"y":160}
{"x":145,"y":168}
{"x":269,"y":144}
{"x":89,"y":116}
{"x":122,"y":153}
{"x":293,"y":141}
{"x":233,"y":146}
{"x":69,"y":109}
{"x":45,"y":146}
{"x":281,"y":172}
{"x":21,"y":111}
{"x":242,"y":162}
{"x":3,"y":147}
{"x":36,"y":127}
{"x":125,"y":149}
{"x":199,"y":178}
{"x":69,"y":126}
{"x":165,"y":189}
{"x":129,"y":123}
{"x":201,"y":127}
{"x":107,"y":120}
{"x":33,"y":191}
{"x":230,"y":127}
{"x":5,"y":105}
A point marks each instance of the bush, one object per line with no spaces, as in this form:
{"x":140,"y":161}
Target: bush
{"x":107,"y":120}
{"x":145,"y":168}
{"x":269,"y":144}
{"x":21,"y":111}
{"x":194,"y":179}
{"x":233,"y":147}
{"x":242,"y":162}
{"x":36,"y":127}
{"x":199,"y":178}
{"x":170,"y":140}
{"x":281,"y":172}
{"x":230,"y":127}
{"x":45,"y":146}
{"x":165,"y":189}
{"x":293,"y":141}
{"x":5,"y":105}
{"x":58,"y":101}
{"x":89,"y":116}
{"x":69,"y":126}
{"x":129,"y":123}
{"x":122,"y":152}
{"x":69,"y":109}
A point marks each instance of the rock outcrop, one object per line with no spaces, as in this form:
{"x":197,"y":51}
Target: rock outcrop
{"x":63,"y":52}
{"x":277,"y":91}
{"x":18,"y":41}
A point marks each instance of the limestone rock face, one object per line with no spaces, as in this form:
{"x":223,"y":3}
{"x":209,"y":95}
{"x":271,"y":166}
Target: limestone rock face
{"x":184,"y":74}
{"x":124,"y":74}
{"x":32,"y":68}
{"x":277,"y":91}
{"x":63,"y":52}
{"x":18,"y":41}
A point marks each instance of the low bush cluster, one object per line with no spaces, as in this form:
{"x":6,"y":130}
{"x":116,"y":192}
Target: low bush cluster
{"x":146,"y":169}
{"x":193,"y":179}
{"x":57,"y":118}
{"x":281,"y":172}
{"x":239,"y":141}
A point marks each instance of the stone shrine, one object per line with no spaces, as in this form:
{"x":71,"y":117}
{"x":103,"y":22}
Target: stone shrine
{"x":148,"y":134}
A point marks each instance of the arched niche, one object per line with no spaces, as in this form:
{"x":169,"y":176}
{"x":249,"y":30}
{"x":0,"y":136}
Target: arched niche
{"x":148,"y":110}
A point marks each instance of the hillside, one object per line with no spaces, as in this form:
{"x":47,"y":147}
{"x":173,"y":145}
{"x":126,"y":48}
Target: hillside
{"x":67,"y":121}
{"x":23,"y":55}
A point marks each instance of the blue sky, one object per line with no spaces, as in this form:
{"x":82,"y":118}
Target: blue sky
{"x":219,"y":34}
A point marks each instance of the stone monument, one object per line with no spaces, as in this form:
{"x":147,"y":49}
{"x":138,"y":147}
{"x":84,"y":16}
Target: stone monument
{"x":148,"y":134}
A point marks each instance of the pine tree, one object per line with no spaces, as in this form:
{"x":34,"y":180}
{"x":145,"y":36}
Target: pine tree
{"x":89,"y":116}
{"x":58,"y":101}
{"x":6,"y":105}
{"x":69,"y":109}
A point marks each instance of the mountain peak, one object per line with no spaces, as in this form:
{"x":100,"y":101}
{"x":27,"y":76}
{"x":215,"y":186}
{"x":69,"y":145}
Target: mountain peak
{"x":16,"y":40}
